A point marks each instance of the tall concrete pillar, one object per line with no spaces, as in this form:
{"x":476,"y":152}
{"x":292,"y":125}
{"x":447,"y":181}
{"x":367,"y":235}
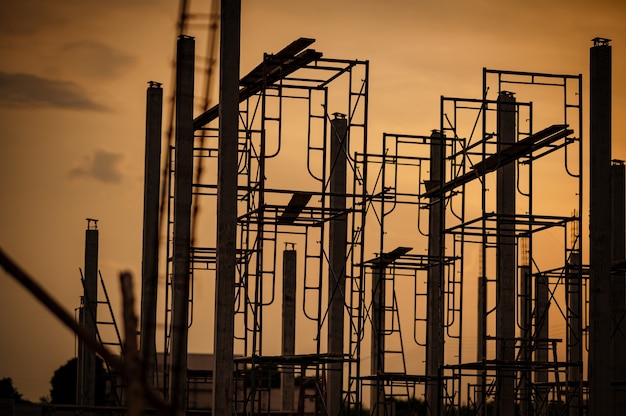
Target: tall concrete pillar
{"x":86,"y":386}
{"x":150,"y":255}
{"x":288,"y":382}
{"x":377,"y":353}
{"x":618,"y":287}
{"x":574,"y":336}
{"x":506,"y":273}
{"x":223,"y":385}
{"x":526,"y":308}
{"x":542,"y":310}
{"x":434,"y":298}
{"x":600,"y":347}
{"x":337,"y":260}
{"x":182,"y":218}
{"x":481,"y":333}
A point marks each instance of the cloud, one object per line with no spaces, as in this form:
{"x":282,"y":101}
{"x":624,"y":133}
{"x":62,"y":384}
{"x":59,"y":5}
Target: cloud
{"x":102,"y":166}
{"x":94,"y":59}
{"x":28,"y":17}
{"x":23,"y":18}
{"x":20,"y":90}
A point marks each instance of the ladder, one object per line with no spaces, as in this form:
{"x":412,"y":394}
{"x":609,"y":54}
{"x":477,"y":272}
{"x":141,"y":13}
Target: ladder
{"x":117,"y":381}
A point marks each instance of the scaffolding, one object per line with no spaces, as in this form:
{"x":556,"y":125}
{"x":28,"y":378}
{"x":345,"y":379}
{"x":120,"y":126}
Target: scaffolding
{"x":296,"y":102}
{"x":473,"y":249}
{"x":530,"y":321}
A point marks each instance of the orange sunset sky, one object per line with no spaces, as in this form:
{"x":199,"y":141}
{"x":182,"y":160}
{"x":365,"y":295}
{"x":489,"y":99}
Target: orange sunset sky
{"x":73,"y":76}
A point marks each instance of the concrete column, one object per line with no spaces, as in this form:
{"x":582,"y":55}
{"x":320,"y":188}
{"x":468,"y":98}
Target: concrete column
{"x":506,"y":273}
{"x":223,"y":386}
{"x":481,"y":333}
{"x":542,"y":305}
{"x":600,"y":347}
{"x":288,"y":383}
{"x":86,"y":389}
{"x":150,"y":257}
{"x":377,"y":354}
{"x":434,"y":298}
{"x":574,"y":336}
{"x":526,"y":333}
{"x":618,"y":288}
{"x":337,"y":260}
{"x":182,"y":218}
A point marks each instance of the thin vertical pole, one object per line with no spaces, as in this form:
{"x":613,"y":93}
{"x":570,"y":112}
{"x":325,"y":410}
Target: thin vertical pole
{"x":223,"y":387}
{"x":182,"y":218}
{"x":150,"y":257}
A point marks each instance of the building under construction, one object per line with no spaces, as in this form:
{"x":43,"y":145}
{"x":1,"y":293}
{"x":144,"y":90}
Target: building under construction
{"x":435,"y":273}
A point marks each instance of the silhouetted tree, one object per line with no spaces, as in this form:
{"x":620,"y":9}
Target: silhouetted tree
{"x":8,"y":391}
{"x":64,"y":383}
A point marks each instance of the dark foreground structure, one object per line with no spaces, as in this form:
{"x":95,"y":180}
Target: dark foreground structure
{"x":353,"y":273}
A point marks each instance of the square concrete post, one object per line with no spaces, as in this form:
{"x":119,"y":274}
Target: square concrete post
{"x":150,"y":257}
{"x":86,"y":378}
{"x":618,"y":287}
{"x":506,"y":274}
{"x":182,"y":219}
{"x":574,"y":334}
{"x":600,"y":347}
{"x":288,"y":384}
{"x":542,"y":312}
{"x":377,"y":354}
{"x":435,"y":273}
{"x":337,"y":261}
{"x":223,"y":385}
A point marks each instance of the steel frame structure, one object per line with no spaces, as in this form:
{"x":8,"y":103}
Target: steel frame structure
{"x":293,"y":84}
{"x":549,"y":297}
{"x":290,"y":106}
{"x":548,"y":293}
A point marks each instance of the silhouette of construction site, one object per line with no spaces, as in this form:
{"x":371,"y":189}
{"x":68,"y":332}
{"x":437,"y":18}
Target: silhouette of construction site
{"x":351,"y":273}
